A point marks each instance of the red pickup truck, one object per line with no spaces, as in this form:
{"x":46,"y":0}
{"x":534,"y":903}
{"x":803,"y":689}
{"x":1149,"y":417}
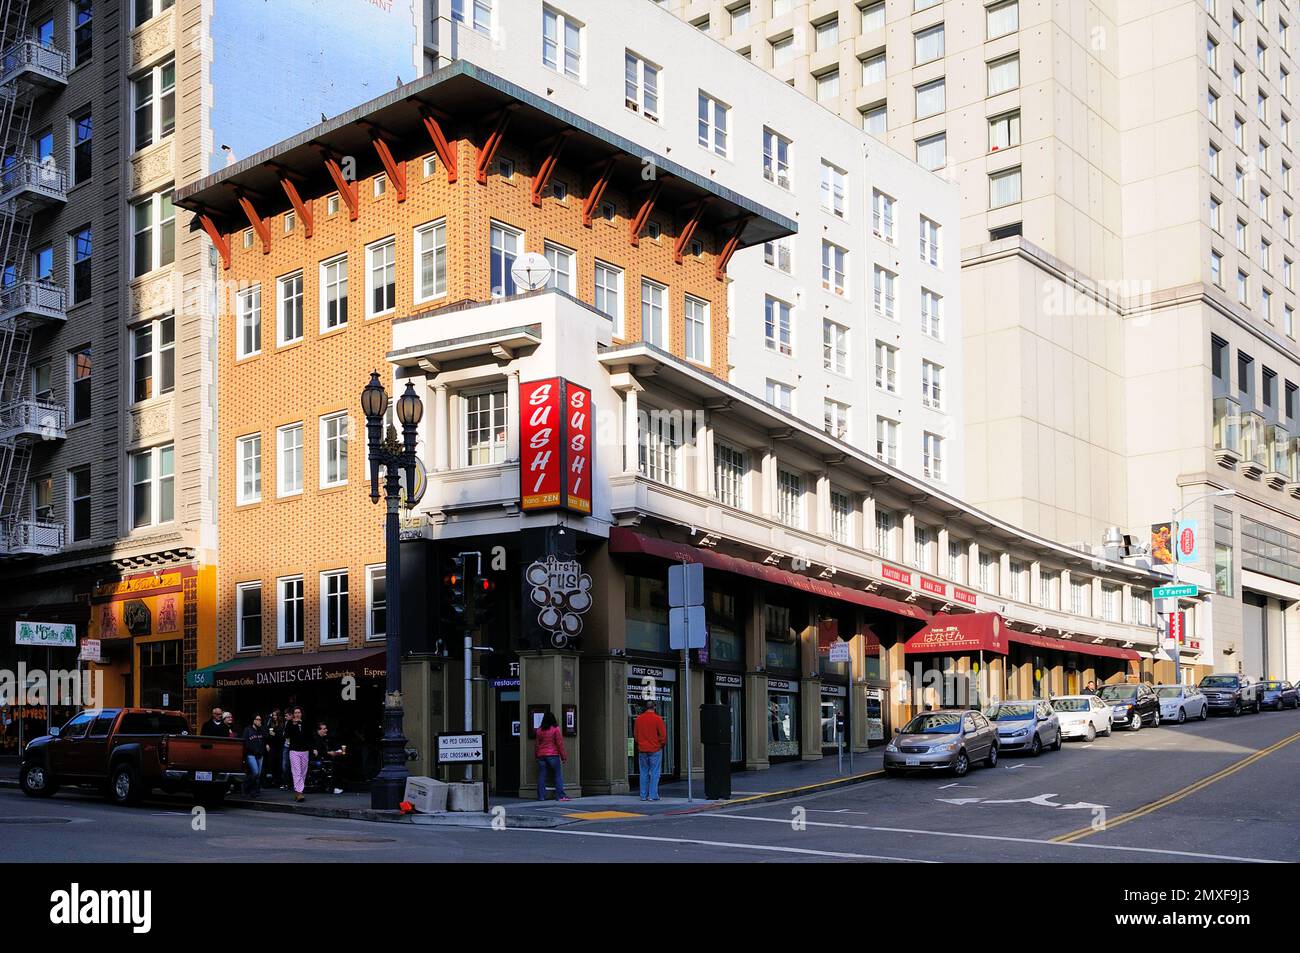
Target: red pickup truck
{"x":127,"y":752}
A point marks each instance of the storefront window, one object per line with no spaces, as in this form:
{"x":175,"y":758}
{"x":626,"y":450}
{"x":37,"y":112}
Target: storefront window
{"x":657,"y":684}
{"x":725,"y":644}
{"x":873,"y":666}
{"x":779,"y":634}
{"x":782,"y":721}
{"x":647,"y":614}
{"x":832,"y":709}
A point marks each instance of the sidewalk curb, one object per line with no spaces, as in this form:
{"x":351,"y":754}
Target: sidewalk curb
{"x":787,"y":794}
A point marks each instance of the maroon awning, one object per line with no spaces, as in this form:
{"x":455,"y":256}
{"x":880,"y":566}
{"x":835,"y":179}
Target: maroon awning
{"x":623,"y":540}
{"x":270,"y":670}
{"x":968,"y":632}
{"x":1068,"y":645}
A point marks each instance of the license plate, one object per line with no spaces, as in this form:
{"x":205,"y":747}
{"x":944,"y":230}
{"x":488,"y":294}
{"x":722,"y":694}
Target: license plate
{"x":202,"y":775}
{"x":913,"y":762}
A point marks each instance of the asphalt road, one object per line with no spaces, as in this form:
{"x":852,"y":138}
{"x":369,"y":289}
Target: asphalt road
{"x":1222,"y":790}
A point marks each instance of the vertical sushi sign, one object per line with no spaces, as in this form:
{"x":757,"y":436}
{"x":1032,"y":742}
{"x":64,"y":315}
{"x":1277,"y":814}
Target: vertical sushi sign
{"x":555,"y":435}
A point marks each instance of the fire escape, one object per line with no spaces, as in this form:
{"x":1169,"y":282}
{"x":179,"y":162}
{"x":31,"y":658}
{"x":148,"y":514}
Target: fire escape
{"x":31,"y":182}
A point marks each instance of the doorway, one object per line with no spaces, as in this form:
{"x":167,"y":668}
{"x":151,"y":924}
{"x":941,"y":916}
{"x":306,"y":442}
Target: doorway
{"x":505,"y":756}
{"x":162,"y":681}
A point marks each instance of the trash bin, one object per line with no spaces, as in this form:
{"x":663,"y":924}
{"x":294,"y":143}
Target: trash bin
{"x":715,"y":735}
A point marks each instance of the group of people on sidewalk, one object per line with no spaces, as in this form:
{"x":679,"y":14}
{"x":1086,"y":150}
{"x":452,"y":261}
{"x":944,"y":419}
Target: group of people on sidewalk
{"x":282,"y":751}
{"x":648,"y":731}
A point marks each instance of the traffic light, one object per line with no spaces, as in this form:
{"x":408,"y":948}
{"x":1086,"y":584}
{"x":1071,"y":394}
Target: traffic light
{"x":482,"y":605}
{"x":454,"y":595}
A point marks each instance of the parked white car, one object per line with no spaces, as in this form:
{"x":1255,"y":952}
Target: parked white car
{"x":1182,"y":702}
{"x":1082,"y":716}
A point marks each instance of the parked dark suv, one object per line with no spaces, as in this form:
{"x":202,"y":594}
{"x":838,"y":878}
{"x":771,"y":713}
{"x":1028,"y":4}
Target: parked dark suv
{"x":1231,"y":693}
{"x":1131,"y":705}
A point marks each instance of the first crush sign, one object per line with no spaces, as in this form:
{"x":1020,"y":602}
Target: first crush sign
{"x":555,"y":436}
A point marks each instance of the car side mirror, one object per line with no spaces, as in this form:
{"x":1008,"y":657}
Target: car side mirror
{"x":898,"y":731}
{"x":54,"y":732}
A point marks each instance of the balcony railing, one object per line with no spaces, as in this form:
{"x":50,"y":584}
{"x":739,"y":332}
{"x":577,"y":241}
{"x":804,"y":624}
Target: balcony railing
{"x":32,"y":417}
{"x":34,"y":298}
{"x":38,"y":181}
{"x":33,"y":61}
{"x":29,"y":537}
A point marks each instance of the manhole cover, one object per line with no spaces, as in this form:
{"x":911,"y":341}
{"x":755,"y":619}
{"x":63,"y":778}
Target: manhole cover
{"x":355,"y":840}
{"x":35,"y":820}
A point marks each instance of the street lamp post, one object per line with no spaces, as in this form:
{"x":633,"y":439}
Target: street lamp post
{"x":1172,"y":651}
{"x":396,"y":458}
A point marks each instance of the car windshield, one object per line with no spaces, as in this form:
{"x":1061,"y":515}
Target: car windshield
{"x":1070,"y":704}
{"x":1114,"y":693}
{"x":1009,"y":711}
{"x":934,"y":723}
{"x":1272,"y":686}
{"x":1170,"y":691}
{"x":1219,"y":681}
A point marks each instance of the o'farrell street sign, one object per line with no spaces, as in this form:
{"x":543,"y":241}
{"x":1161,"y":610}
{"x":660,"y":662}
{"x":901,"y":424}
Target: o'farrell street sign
{"x":61,"y":635}
{"x":1174,"y":592}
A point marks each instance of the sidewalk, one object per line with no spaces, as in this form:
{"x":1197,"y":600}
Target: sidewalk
{"x":780,"y":782}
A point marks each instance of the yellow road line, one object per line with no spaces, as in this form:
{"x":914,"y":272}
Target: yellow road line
{"x":1177,"y":795}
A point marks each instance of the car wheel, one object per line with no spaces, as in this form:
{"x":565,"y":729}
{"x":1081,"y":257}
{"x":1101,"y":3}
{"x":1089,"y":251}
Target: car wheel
{"x":1091,"y":734}
{"x":1205,"y":712}
{"x":992,"y":760}
{"x":1135,"y":723}
{"x":36,"y":781}
{"x":961,"y":765}
{"x":1059,"y":740}
{"x":124,"y":786}
{"x":1035,"y":746}
{"x":1236,"y":709}
{"x":1182,"y":716}
{"x":1110,"y":729}
{"x":1155,"y":719}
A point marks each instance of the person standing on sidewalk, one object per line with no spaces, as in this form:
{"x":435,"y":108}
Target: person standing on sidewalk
{"x":298,"y":740}
{"x":274,"y":748}
{"x":254,"y":752}
{"x":651,"y":735}
{"x":551,"y":756}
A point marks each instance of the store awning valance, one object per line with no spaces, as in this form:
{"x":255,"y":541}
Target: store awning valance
{"x":1068,"y":645}
{"x":314,"y":667}
{"x":623,"y":540}
{"x":969,"y":632}
{"x":206,"y":677}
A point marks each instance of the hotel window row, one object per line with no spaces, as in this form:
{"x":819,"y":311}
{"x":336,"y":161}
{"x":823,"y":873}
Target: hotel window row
{"x":290,"y":609}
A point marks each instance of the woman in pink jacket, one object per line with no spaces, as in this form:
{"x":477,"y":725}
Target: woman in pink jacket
{"x":550,"y":755}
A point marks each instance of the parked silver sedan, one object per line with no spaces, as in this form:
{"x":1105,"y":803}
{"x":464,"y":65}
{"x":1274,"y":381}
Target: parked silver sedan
{"x":1181,"y":702}
{"x":942,"y":740}
{"x":1027,"y":725}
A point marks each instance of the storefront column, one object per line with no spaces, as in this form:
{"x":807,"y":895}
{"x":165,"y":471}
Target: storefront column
{"x":900,"y":701}
{"x":767,"y":505}
{"x":810,"y":695}
{"x":963,"y":672}
{"x":549,"y":679}
{"x":997,"y":675}
{"x":602,"y":726}
{"x":868,"y":540}
{"x":512,"y":418}
{"x":756,"y":727}
{"x":700,"y":446}
{"x":424,"y":702}
{"x":697,"y":746}
{"x":823,"y":526}
{"x":907,"y":551}
{"x":441,"y":429}
{"x":631,"y":428}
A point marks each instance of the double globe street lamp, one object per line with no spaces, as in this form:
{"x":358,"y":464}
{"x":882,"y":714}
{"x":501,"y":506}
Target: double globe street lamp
{"x":396,"y":458}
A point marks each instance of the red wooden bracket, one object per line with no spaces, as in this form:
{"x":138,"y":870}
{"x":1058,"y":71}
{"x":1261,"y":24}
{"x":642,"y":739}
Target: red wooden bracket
{"x":396,"y":170}
{"x":643,"y":214}
{"x":258,"y":223}
{"x":688,"y":232}
{"x":597,"y":192}
{"x":446,"y":154}
{"x":729,"y":249}
{"x":348,"y":190}
{"x":490,"y":147}
{"x":548,"y":166}
{"x":299,"y":206}
{"x":219,"y":241}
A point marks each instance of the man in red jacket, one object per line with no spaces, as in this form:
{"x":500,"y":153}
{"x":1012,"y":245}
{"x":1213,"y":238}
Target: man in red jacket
{"x":651,"y":736}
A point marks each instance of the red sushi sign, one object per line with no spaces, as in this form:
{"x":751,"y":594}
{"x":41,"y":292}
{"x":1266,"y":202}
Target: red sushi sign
{"x":555,"y":436}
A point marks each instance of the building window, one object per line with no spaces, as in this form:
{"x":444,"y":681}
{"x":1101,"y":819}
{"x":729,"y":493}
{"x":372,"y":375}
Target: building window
{"x":956,"y":549}
{"x":248,"y":608}
{"x":929,"y":241}
{"x":1216,"y":268}
{"x":873,"y":17}
{"x":826,"y":34}
{"x":146,"y":10}
{"x":609,"y":294}
{"x":290,"y":614}
{"x":828,"y":86}
{"x":887,"y":441}
{"x":43,"y":498}
{"x":886,"y":367}
{"x":882,"y":215}
{"x":989,"y":573}
{"x":248,"y":461}
{"x":334,"y":450}
{"x":932,"y":456}
{"x":835,"y":419}
{"x":777,"y":325}
{"x":921,"y":539}
{"x":248,"y":307}
{"x":154,"y":233}
{"x":875,"y":120}
{"x":932,"y":151}
{"x":1223,"y":568}
{"x":931,"y":98}
{"x":1004,"y":74}
{"x":485,"y":427}
{"x":654,"y":324}
{"x":712,"y":125}
{"x":153,"y":478}
{"x":1047,"y":583}
{"x":884,"y":533}
{"x":841,"y":517}
{"x":776,"y":158}
{"x":153,"y":358}
{"x":154,"y":97}
{"x":697,"y":330}
{"x":1004,"y":131}
{"x":82,"y":23}
{"x":641,"y":86}
{"x":1002,"y":18}
{"x":381,"y":277}
{"x":835,"y":347}
{"x":730,"y":467}
{"x":931,"y":314}
{"x":562,"y":38}
{"x":334,"y":606}
{"x":504,"y":247}
{"x":561,"y":261}
{"x":780,"y":396}
{"x":928,"y":44}
{"x":288,"y":304}
{"x":431,"y":260}
{"x":789,"y":498}
{"x":884,"y":291}
{"x":289,"y":459}
{"x":932,"y":385}
{"x":834,"y":267}
{"x":873,"y":71}
{"x":661,"y":440}
{"x":376,"y":602}
{"x":79,"y":504}
{"x":1004,"y":188}
{"x":1079,"y":597}
{"x":334,"y":293}
{"x":782,"y":50}
{"x":776,"y":254}
{"x":80,"y":368}
{"x":379,"y":185}
{"x":83,"y":129}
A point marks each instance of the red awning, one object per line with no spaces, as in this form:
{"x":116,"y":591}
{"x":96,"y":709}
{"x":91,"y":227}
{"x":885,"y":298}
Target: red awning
{"x":967,"y":632}
{"x":1069,"y":645}
{"x":623,"y":540}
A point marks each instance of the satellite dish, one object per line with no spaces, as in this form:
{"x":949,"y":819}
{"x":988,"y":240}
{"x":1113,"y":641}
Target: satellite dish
{"x":531,"y":271}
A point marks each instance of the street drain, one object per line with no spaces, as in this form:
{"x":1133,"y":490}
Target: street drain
{"x":355,"y":840}
{"x":35,"y":820}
